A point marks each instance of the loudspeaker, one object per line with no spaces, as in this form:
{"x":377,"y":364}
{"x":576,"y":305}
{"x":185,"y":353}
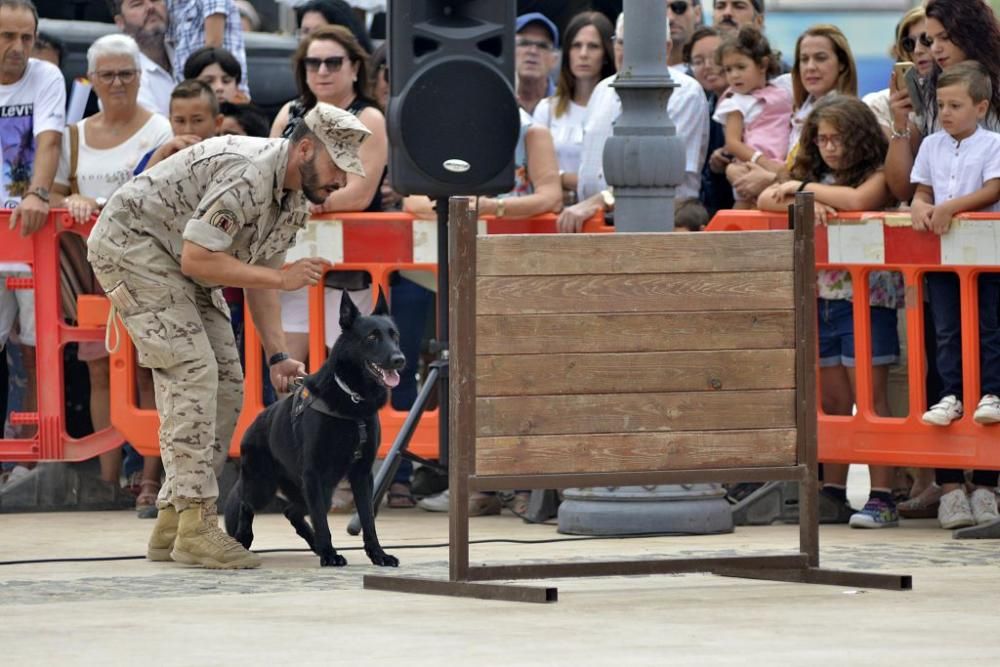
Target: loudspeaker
{"x":453,"y":119}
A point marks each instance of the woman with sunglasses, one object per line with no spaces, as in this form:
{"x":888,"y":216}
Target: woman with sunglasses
{"x":330,"y":66}
{"x":587,"y":58}
{"x":911,"y":45}
{"x":98,"y":154}
{"x":955,"y":31}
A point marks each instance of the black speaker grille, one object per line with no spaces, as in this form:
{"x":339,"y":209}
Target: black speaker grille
{"x":463,"y":110}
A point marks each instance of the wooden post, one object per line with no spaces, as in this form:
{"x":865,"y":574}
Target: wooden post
{"x":462,"y":230}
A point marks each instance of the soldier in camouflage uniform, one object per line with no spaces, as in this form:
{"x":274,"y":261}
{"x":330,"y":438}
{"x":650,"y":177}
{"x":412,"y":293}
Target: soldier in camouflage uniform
{"x":222,"y":212}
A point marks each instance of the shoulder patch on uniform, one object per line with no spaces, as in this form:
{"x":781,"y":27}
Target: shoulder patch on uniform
{"x":223,"y":219}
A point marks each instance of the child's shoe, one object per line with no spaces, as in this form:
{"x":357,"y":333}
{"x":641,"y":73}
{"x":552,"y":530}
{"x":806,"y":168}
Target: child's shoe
{"x":984,"y":506}
{"x":955,"y":510}
{"x":944,"y":412}
{"x":988,"y":411}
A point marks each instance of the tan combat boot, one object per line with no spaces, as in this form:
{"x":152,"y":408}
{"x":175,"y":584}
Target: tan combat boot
{"x":200,"y":541}
{"x":161,"y":542}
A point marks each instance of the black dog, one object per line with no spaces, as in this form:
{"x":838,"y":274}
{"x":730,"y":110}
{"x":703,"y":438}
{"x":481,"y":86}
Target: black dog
{"x":304,"y":444}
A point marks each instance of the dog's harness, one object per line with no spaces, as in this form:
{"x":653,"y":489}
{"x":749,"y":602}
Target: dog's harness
{"x":303,"y":399}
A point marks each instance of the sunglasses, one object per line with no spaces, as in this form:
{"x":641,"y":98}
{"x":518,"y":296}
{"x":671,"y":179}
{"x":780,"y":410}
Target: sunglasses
{"x":333,"y":64}
{"x":126,"y":76}
{"x":678,"y":7}
{"x":909,"y":44}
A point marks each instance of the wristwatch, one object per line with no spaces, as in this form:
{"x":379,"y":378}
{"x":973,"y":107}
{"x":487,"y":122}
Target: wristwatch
{"x":40,"y":192}
{"x":277,"y":358}
{"x":101,"y":202}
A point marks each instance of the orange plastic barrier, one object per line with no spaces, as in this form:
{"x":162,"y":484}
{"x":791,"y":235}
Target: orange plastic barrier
{"x":380,"y":244}
{"x":866,"y":242}
{"x":41,"y":252}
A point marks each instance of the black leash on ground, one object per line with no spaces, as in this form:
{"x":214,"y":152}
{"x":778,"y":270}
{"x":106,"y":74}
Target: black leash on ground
{"x":441,"y":545}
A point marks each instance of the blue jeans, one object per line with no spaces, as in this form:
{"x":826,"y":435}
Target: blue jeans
{"x":942,"y":292}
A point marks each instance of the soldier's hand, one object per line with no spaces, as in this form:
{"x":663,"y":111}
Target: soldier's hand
{"x":283,"y":374}
{"x":32,"y":213}
{"x":302,"y":273}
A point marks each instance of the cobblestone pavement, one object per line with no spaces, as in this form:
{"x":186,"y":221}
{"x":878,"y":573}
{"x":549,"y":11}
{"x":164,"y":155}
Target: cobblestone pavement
{"x":180,"y":582}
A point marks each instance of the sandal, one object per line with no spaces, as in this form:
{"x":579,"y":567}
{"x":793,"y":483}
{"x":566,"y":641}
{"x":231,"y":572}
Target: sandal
{"x":399,"y":496}
{"x":922,"y":506}
{"x":149,"y":489}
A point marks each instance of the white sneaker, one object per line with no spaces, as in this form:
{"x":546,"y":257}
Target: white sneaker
{"x":440,"y":502}
{"x":988,"y":411}
{"x":984,"y":506}
{"x":955,"y":510}
{"x":944,"y":412}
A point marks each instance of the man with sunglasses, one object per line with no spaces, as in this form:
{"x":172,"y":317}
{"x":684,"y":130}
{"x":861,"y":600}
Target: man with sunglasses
{"x":685,"y":18}
{"x":32,"y":117}
{"x":222,"y":212}
{"x":536,"y":40}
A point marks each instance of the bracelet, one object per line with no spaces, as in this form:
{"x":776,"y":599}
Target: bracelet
{"x":802,"y":186}
{"x":896,"y":134}
{"x":756,"y":156}
{"x":277,"y":358}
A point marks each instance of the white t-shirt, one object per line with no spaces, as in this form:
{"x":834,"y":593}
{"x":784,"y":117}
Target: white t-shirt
{"x":687,"y":107}
{"x":101,"y":171}
{"x":567,"y":131}
{"x":954,"y":169}
{"x":34,"y":104}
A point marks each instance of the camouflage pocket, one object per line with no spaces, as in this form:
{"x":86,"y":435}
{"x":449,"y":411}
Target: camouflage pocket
{"x":160,"y":338}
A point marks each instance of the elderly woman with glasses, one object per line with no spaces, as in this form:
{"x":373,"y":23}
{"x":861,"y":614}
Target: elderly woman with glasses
{"x":98,"y":155}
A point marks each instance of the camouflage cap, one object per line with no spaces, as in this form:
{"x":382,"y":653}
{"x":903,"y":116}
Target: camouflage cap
{"x":342,"y":134}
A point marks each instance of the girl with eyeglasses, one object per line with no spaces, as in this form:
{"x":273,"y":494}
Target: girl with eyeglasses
{"x":841,"y":151}
{"x":98,"y":154}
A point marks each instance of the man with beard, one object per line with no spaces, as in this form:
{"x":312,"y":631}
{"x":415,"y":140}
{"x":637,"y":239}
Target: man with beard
{"x":730,"y":15}
{"x":685,"y":18}
{"x":145,"y":21}
{"x":222,"y":212}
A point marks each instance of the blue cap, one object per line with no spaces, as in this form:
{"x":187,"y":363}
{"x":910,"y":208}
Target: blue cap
{"x":538,"y":17}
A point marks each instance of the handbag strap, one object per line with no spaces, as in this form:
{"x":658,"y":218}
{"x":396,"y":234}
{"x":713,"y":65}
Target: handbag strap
{"x":74,"y":156}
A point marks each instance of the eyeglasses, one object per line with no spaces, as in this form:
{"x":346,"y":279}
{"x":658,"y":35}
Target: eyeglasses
{"x":333,"y":64}
{"x":831,"y":140}
{"x":126,"y":76}
{"x":698,"y":63}
{"x":678,"y":7}
{"x":909,"y":44}
{"x":533,"y":43}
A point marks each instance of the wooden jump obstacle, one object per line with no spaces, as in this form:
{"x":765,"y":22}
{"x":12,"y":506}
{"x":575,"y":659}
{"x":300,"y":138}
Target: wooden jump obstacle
{"x":626,"y":359}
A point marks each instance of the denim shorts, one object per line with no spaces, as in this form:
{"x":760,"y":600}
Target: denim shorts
{"x":836,"y":334}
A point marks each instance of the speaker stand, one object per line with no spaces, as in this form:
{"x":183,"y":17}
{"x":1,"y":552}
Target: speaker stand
{"x":437,"y":378}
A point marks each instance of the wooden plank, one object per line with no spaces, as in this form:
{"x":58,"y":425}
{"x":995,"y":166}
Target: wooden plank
{"x":634,"y":452}
{"x":634,"y":372}
{"x":565,"y":254}
{"x":635,"y":332}
{"x":580,"y":480}
{"x":802,"y":217}
{"x":461,"y":421}
{"x":630,"y":413}
{"x":649,"y":293}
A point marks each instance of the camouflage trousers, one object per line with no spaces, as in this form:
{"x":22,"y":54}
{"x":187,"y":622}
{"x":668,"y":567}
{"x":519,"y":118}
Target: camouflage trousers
{"x":181,"y":331}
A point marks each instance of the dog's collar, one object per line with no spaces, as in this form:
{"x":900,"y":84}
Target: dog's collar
{"x":355,"y":396}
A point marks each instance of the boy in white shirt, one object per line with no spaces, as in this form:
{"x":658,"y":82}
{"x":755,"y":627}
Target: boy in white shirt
{"x":958,"y":170}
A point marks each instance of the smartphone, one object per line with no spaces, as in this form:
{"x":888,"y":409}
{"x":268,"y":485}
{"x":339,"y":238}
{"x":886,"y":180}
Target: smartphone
{"x":914,"y":86}
{"x":901,"y":69}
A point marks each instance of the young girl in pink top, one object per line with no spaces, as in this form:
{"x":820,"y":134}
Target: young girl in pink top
{"x":755,"y":112}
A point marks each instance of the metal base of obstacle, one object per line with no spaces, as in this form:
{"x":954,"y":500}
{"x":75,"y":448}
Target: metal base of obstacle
{"x":778,"y":502}
{"x":63,"y":487}
{"x":984,"y":531}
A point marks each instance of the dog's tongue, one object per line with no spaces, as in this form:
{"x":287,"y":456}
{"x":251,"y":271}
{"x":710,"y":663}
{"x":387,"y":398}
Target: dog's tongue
{"x":390,"y":377}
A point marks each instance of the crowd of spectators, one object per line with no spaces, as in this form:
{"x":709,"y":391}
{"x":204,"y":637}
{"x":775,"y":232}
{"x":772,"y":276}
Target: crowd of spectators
{"x":755,"y":129}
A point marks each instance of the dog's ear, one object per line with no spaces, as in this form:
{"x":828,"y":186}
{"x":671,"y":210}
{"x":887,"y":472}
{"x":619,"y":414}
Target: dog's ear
{"x":381,"y":307}
{"x":348,"y":311}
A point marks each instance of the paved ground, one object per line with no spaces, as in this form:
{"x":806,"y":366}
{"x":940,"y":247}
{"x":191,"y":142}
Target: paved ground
{"x":292,"y":612}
